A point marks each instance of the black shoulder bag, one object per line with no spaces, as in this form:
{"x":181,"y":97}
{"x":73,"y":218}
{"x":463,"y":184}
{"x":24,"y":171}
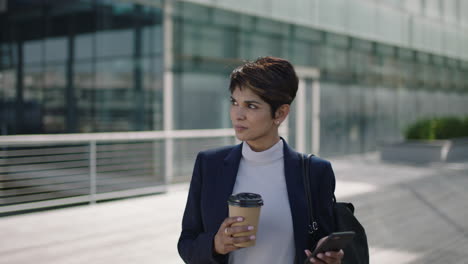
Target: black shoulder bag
{"x":356,"y":252}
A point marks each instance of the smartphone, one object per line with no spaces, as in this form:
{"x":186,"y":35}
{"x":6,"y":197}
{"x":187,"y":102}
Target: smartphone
{"x":335,"y":242}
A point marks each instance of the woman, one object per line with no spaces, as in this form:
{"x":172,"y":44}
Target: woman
{"x":261,"y":95}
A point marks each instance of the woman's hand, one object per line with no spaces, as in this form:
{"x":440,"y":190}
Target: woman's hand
{"x":224,"y":241}
{"x":330,"y":257}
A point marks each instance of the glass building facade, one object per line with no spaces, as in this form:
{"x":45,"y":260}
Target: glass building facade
{"x":98,"y":66}
{"x":80,"y":66}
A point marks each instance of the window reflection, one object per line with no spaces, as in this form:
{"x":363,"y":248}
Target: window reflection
{"x":80,"y":67}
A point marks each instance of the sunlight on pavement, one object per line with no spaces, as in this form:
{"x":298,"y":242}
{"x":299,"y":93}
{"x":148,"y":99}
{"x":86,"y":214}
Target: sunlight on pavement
{"x":346,"y":189}
{"x":384,"y":255}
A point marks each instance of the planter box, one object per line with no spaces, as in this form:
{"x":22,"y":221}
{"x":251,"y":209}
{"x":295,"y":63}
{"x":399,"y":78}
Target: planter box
{"x":416,"y":151}
{"x":458,"y":150}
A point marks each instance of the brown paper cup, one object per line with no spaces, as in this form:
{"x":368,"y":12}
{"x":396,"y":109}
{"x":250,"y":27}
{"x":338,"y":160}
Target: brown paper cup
{"x":251,"y":216}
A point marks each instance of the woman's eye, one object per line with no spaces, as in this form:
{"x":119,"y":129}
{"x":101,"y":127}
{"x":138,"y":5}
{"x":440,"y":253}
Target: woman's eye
{"x":251,"y":106}
{"x":233,"y":102}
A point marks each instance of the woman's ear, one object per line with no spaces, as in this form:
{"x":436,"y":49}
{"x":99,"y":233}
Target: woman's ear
{"x":281,"y":113}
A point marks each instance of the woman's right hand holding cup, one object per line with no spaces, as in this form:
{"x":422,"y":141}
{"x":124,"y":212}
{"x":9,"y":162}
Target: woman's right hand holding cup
{"x":224,"y":240}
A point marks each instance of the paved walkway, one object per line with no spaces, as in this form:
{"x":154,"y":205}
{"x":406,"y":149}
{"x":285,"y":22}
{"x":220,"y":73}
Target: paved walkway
{"x":413,"y":214}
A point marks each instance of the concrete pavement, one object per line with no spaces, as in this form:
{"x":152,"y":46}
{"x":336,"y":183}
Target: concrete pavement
{"x":412,"y":214}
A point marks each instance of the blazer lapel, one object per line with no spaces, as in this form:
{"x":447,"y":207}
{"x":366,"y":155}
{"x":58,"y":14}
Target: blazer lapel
{"x":296,"y":195}
{"x":225,"y":183}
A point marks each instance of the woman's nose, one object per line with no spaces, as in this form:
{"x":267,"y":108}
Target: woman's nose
{"x":239,"y":113}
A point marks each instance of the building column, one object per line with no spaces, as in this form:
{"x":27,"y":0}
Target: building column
{"x":19,"y":109}
{"x":168,"y":29}
{"x":70,"y":99}
{"x":139,"y":102}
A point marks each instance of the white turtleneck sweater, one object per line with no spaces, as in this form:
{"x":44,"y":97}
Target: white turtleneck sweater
{"x":263,"y":173}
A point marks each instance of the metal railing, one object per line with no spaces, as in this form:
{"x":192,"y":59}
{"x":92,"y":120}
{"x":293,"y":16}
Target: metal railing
{"x":39,"y":171}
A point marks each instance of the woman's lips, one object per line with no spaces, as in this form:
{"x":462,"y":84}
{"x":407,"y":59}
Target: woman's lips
{"x":239,"y":128}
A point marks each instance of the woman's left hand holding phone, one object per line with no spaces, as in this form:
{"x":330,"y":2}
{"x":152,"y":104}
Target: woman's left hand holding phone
{"x":330,"y":257}
{"x":224,"y":241}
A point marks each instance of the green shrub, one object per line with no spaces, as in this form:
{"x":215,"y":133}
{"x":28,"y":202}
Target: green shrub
{"x":438,"y":128}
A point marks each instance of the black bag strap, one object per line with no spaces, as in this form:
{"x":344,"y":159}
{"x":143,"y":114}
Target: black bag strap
{"x":312,"y":225}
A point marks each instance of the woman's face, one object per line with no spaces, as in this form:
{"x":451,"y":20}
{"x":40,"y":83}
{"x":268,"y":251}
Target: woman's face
{"x":251,"y":118}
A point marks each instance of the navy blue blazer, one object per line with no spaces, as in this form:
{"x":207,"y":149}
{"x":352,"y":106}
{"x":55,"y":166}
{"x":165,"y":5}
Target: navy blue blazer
{"x":212,"y":183}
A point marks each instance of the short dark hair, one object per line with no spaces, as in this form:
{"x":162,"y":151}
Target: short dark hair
{"x":272,"y":79}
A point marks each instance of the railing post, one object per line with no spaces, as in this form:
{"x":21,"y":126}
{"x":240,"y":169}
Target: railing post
{"x":3,"y":156}
{"x":92,"y":172}
{"x":169,"y":160}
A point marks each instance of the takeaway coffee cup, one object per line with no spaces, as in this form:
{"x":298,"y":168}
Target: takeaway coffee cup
{"x":248,"y":206}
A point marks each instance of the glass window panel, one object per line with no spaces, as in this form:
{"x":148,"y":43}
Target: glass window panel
{"x":354,"y":119}
{"x":423,"y":57}
{"x":433,"y":36}
{"x":332,"y":13}
{"x":463,"y":12}
{"x":256,"y":45}
{"x":32,"y":100}
{"x":333,"y":107}
{"x":84,"y":46}
{"x":305,"y":53}
{"x":84,"y":85}
{"x":202,"y":101}
{"x":362,"y":45}
{"x":304,"y":11}
{"x":56,"y":49}
{"x":405,"y":54}
{"x":406,"y":109}
{"x":450,"y":10}
{"x":211,"y":40}
{"x":8,"y":82}
{"x":153,"y":96}
{"x":432,"y":8}
{"x":336,"y":40}
{"x":417,"y":34}
{"x":271,"y":27}
{"x":195,"y":12}
{"x":437,"y":60}
{"x":248,"y":6}
{"x":247,"y":23}
{"x":451,"y":41}
{"x":54,"y":98}
{"x":360,"y":61}
{"x":393,"y":33}
{"x":363,"y":17}
{"x":308,"y":34}
{"x":33,"y":51}
{"x":386,"y":128}
{"x":288,"y":9}
{"x":413,"y":6}
{"x":152,"y":39}
{"x":335,"y":59}
{"x":394,"y":3}
{"x":369,"y":119}
{"x":103,"y":86}
{"x":186,"y":150}
{"x":114,"y":95}
{"x":189,"y":40}
{"x":114,"y":43}
{"x":225,"y":18}
{"x":32,"y":84}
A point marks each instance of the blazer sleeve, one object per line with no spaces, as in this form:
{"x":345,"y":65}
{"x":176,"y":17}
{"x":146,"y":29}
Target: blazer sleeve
{"x":324,"y":199}
{"x":327,"y":193}
{"x":195,"y":245}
